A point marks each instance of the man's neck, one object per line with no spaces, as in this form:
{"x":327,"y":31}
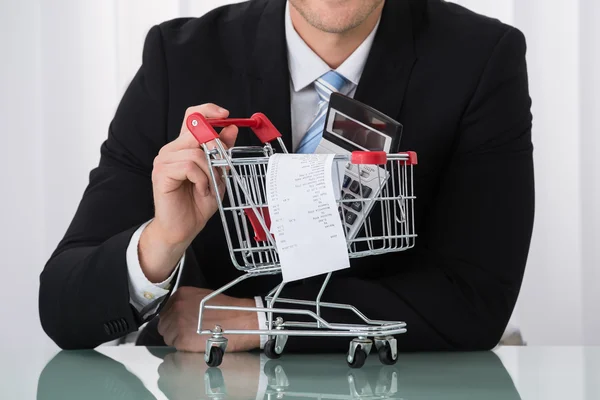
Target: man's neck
{"x":334,"y":48}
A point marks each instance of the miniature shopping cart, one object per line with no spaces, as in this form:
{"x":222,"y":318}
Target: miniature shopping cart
{"x":386,"y":225}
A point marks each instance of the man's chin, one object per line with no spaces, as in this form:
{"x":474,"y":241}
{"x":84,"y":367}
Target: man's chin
{"x":335,"y":16}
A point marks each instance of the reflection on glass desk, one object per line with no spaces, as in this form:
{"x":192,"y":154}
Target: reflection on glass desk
{"x":431,"y":376}
{"x":129,"y":372}
{"x":167,"y":374}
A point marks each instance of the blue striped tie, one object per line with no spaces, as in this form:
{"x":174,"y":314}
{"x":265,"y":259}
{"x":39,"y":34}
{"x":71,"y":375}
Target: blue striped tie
{"x":325,"y":85}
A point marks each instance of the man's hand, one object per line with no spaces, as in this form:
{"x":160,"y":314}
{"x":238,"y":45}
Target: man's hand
{"x":178,"y":321}
{"x":184,"y":198}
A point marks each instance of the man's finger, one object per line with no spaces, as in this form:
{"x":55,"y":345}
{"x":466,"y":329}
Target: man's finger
{"x":171,"y":338}
{"x":175,"y":174}
{"x":168,"y":329}
{"x":228,"y":136}
{"x":163,"y":323}
{"x":209,"y":110}
{"x":186,"y":140}
{"x":196,"y":155}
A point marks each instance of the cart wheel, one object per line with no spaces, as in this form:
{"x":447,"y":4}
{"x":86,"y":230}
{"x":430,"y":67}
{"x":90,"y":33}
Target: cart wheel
{"x":270,"y":350}
{"x":385,"y":355}
{"x":360,"y":356}
{"x":216,"y":357}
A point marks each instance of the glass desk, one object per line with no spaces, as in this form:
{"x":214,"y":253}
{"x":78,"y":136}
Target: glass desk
{"x":151,"y":373}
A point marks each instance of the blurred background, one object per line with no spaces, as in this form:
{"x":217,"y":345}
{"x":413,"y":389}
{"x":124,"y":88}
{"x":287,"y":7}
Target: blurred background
{"x":66,"y":63}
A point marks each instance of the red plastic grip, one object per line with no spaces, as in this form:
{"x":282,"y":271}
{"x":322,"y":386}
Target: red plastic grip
{"x":380,"y":157}
{"x":203,"y":128}
{"x":264,"y":129}
{"x":239,"y":122}
{"x":259,"y":233}
{"x":369,"y":157}
{"x":412,"y":158}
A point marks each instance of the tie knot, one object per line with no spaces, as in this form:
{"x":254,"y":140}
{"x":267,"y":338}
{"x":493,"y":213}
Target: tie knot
{"x":328,"y":83}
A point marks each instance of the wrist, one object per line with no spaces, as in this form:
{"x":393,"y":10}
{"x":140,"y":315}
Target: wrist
{"x":170,"y":236}
{"x":158,"y":257}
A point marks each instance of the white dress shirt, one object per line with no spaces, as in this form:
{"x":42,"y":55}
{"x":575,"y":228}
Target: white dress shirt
{"x":305,"y":68}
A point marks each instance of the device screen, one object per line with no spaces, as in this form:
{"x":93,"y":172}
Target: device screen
{"x":353,"y":125}
{"x":361,"y":135}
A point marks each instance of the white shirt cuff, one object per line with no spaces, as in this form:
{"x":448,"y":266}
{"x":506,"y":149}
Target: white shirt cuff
{"x":262,"y":321}
{"x":145,"y":296}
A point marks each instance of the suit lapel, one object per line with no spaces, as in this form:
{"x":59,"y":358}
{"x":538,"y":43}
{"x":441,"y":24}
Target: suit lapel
{"x":390,"y":62}
{"x":267,"y":69}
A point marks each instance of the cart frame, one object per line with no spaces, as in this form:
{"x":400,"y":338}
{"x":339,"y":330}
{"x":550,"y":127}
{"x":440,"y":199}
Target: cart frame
{"x":256,"y":255}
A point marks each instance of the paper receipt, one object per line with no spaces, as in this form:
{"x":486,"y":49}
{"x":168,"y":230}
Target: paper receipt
{"x":304,"y":217}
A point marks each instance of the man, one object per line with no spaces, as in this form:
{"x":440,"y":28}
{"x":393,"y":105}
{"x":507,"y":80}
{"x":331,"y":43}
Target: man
{"x":457,"y":81}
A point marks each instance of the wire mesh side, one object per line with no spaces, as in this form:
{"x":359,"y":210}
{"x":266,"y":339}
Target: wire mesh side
{"x":247,"y":200}
{"x":387,"y":223}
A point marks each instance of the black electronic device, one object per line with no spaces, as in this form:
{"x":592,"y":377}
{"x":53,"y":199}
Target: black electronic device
{"x":353,"y":126}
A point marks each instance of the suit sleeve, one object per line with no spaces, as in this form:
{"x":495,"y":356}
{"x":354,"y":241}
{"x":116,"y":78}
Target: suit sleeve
{"x":84,"y":298}
{"x":460,"y":285}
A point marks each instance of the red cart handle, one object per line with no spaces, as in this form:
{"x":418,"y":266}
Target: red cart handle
{"x":203,"y":128}
{"x":380,"y":157}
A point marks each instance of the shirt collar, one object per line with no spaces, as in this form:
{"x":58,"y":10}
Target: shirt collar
{"x":306,"y":66}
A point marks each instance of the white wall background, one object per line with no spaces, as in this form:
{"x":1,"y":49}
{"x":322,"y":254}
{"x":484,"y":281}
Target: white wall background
{"x":65,"y":64}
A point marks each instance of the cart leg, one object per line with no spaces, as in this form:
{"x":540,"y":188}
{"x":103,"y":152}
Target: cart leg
{"x":318,"y":301}
{"x":271,"y":304}
{"x":359,"y":350}
{"x":216,"y":293}
{"x":387,"y":348}
{"x":215,"y":348}
{"x":276,"y":344}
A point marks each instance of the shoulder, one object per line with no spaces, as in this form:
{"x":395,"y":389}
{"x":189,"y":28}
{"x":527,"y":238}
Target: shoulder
{"x":460,"y":20}
{"x":212,"y":23}
{"x":462,"y":30}
{"x":218,"y":33}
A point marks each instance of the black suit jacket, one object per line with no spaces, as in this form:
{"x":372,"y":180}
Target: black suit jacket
{"x":457,"y":81}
